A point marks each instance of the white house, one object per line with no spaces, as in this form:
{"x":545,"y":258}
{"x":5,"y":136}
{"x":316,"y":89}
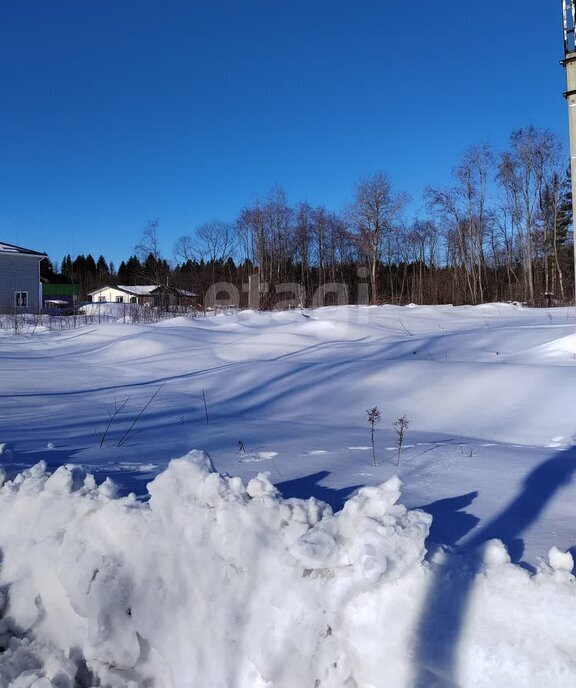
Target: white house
{"x":20,"y":286}
{"x":123,"y":294}
{"x":149,"y":294}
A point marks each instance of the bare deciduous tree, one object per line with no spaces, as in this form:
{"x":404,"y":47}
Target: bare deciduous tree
{"x":185,"y":248}
{"x":154,"y":268}
{"x":149,"y":243}
{"x":463,"y":212}
{"x":375,"y":210}
{"x":523,"y":172}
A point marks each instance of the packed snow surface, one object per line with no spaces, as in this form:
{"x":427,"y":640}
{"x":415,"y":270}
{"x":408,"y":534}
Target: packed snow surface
{"x":313,"y":567}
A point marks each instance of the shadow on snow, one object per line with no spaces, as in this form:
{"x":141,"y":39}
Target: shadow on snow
{"x":309,"y":486}
{"x":446,"y":605}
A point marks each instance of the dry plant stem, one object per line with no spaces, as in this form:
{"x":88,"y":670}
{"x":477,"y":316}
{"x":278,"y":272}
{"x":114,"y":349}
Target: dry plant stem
{"x":401,"y":425}
{"x":117,"y":410}
{"x":127,"y":433}
{"x":205,"y":407}
{"x":373,"y":418}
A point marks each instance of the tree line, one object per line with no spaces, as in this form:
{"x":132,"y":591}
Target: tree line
{"x":502,"y":230}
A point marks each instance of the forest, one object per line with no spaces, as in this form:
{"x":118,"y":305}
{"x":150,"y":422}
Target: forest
{"x":500,"y":231}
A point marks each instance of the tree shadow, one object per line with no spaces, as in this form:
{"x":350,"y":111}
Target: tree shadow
{"x":446,"y":605}
{"x":309,"y":486}
{"x":450,"y":522}
{"x":54,"y":458}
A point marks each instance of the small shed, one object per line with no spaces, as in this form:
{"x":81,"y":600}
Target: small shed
{"x":61,"y":294}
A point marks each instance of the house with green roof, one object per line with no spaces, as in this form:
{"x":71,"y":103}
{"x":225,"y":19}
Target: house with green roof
{"x":60,"y":295}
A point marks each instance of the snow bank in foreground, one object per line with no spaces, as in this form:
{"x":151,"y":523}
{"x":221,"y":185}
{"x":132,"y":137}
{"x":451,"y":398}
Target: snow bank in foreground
{"x":214,"y":583}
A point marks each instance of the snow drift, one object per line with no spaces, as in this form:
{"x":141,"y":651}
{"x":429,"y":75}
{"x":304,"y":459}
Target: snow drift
{"x":215,"y":583}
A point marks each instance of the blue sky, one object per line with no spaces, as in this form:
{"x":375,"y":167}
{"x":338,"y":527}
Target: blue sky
{"x":115,"y":112}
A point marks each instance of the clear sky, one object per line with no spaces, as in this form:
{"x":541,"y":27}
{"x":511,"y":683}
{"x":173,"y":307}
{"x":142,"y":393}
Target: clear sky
{"x":118,"y":111}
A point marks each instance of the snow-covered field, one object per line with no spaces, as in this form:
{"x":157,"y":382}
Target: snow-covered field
{"x":203,"y":579}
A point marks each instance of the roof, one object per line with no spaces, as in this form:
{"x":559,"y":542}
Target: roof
{"x":61,"y":289}
{"x":162,"y":290}
{"x":138,"y":290}
{"x":145,"y":290}
{"x":18,"y":250}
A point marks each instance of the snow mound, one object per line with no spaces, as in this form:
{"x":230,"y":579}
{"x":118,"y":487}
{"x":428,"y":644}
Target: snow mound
{"x":558,"y":347}
{"x":218,"y":583}
{"x":209,"y":583}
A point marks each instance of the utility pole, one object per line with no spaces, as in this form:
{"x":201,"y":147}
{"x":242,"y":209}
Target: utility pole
{"x":569,"y":62}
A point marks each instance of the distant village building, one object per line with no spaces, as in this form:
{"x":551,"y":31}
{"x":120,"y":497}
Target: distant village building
{"x":60,"y":295}
{"x":148,"y":294}
{"x":123,"y":294}
{"x":20,"y":285}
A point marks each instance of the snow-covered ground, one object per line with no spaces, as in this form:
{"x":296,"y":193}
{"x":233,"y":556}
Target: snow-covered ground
{"x":224,"y":582}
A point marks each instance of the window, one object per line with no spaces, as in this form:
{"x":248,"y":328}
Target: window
{"x":119,"y":299}
{"x":132,"y":299}
{"x":102,"y":299}
{"x":21,"y":299}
